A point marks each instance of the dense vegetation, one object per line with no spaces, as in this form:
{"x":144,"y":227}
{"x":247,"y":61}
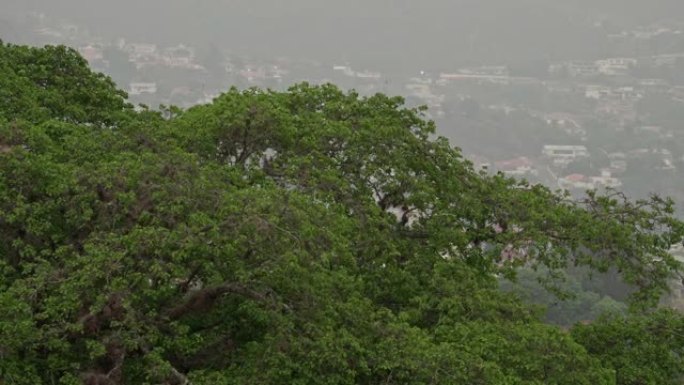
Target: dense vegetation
{"x":304,"y":237}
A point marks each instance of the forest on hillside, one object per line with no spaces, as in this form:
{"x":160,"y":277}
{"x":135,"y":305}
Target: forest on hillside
{"x":311,"y":236}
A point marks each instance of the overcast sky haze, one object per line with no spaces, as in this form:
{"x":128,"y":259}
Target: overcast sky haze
{"x":384,"y":34}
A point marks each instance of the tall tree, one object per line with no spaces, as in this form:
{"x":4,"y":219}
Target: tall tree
{"x":309,"y":236}
{"x":56,"y":83}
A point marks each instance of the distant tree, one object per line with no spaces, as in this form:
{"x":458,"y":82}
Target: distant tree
{"x":56,"y":83}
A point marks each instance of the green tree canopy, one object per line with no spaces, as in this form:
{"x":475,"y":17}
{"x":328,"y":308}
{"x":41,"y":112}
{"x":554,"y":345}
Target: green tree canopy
{"x":56,"y":83}
{"x":312,"y":236}
{"x":647,"y":349}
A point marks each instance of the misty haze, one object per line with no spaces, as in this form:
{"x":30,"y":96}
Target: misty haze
{"x":341,"y":192}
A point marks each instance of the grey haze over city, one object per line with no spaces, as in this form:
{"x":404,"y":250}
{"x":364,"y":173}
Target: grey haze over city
{"x":388,"y":34}
{"x":575,"y":94}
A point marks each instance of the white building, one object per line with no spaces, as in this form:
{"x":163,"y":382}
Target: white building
{"x":618,"y":162}
{"x":615,"y":66}
{"x":597,"y":92}
{"x":142,"y":88}
{"x":346,"y":70}
{"x":142,"y":49}
{"x":582,"y":69}
{"x":606,"y":180}
{"x":141,"y":52}
{"x":180,"y":56}
{"x":582,"y":182}
{"x":565,"y":152}
{"x":516,"y":167}
{"x":253,"y":74}
{"x":368,"y":75}
{"x":627,"y":93}
{"x":486,"y":71}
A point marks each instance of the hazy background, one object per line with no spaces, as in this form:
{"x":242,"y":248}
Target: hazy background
{"x":387,"y":34}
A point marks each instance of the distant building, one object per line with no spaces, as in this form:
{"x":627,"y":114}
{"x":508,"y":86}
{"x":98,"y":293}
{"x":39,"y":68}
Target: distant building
{"x":49,"y":33}
{"x":253,"y":74}
{"x":582,"y":69}
{"x":141,"y":53}
{"x":618,"y":162}
{"x":667,"y":165}
{"x":91,"y":53}
{"x":567,"y":123}
{"x":616,"y":66}
{"x":368,"y":75}
{"x":142,"y":88}
{"x":346,"y":70}
{"x":666,"y":60}
{"x":583,"y":182}
{"x":597,"y":92}
{"x":503,"y":108}
{"x":277,"y":73}
{"x":655,"y":131}
{"x":624,"y":111}
{"x":445,"y":78}
{"x":606,"y":180}
{"x":627,"y":93}
{"x":180,"y":51}
{"x":565,"y":152}
{"x":654,"y":86}
{"x":676,"y":92}
{"x":576,"y":182}
{"x":651,"y":32}
{"x":575,"y":69}
{"x":424,"y":93}
{"x":142,"y":49}
{"x":485,"y":71}
{"x":560,"y":87}
{"x":516,"y":167}
{"x":179,"y":56}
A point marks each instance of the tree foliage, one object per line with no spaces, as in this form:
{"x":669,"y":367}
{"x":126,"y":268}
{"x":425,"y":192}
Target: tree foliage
{"x":38,"y":84}
{"x":312,"y":236}
{"x":646,"y":349}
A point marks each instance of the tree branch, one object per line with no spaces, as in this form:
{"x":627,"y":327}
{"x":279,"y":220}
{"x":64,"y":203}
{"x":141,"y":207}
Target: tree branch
{"x":206,"y":298}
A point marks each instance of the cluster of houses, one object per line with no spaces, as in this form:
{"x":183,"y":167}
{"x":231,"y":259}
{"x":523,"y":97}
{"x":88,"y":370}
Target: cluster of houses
{"x":555,"y":159}
{"x":559,"y":157}
{"x":258,"y":74}
{"x":608,"y":97}
{"x":142,"y":56}
{"x":609,"y":67}
{"x":349,"y":72}
{"x":145,"y":55}
{"x":147,"y":58}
